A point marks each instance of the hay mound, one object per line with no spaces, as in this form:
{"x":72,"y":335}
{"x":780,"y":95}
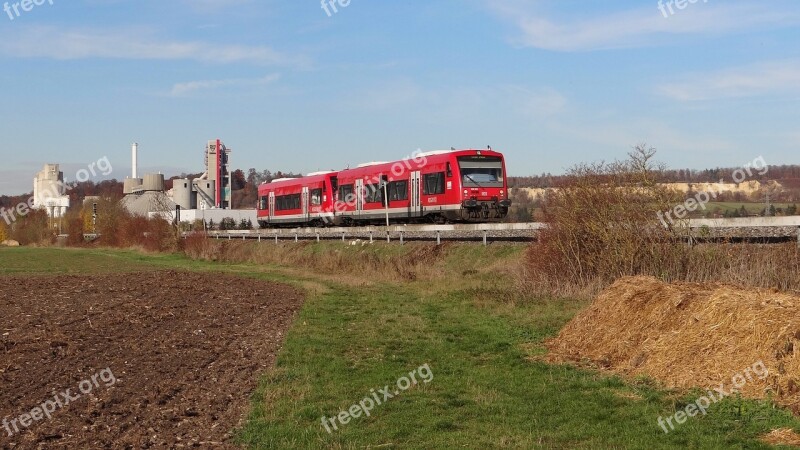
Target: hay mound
{"x":690,"y":335}
{"x":782,"y":436}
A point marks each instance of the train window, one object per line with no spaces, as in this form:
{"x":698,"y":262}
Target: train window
{"x":287,"y":202}
{"x":481,"y":171}
{"x":398,"y":190}
{"x":433,"y":183}
{"x":262,"y":205}
{"x":374,"y":193}
{"x":316,"y":197}
{"x":346,"y":193}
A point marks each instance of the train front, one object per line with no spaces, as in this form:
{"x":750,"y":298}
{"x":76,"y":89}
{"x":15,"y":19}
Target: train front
{"x":484,"y":190}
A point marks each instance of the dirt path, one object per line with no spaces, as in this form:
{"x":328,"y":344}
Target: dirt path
{"x":158,"y":360}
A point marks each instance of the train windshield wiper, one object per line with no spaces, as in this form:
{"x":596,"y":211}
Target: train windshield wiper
{"x":473,"y":180}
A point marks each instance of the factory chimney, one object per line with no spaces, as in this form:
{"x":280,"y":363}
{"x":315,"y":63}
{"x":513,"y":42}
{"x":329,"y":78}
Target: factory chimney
{"x":134,"y":157}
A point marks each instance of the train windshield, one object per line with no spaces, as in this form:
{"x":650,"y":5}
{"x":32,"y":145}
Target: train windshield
{"x":481,"y":171}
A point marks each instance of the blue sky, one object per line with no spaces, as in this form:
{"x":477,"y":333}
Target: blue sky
{"x":549,"y":83}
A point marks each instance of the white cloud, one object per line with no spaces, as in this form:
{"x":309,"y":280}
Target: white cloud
{"x":639,"y":27}
{"x":770,"y":78}
{"x":455,"y":101}
{"x":188,"y":87}
{"x":536,"y":103}
{"x":54,"y":43}
{"x":210,"y":6}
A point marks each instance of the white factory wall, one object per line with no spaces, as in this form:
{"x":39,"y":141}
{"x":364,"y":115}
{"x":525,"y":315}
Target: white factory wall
{"x":190,"y":215}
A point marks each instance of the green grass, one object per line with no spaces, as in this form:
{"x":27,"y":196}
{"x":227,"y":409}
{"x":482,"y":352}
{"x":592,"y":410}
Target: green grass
{"x":751,"y":208}
{"x":481,"y":340}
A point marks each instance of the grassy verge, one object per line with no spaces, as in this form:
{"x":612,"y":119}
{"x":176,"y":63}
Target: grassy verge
{"x":480,"y":338}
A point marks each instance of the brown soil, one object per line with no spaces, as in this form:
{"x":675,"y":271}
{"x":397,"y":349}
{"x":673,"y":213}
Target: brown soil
{"x":691,"y":335}
{"x":186,"y":350}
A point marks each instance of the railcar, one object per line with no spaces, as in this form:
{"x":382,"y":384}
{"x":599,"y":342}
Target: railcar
{"x":439,"y":187}
{"x":294,"y":201}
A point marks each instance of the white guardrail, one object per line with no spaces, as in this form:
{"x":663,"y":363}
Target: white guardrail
{"x":495,"y":231}
{"x":746,"y":222}
{"x":401,"y":232}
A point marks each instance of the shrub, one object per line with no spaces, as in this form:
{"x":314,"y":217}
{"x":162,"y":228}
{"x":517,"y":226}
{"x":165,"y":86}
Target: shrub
{"x":33,"y":229}
{"x":603,"y":225}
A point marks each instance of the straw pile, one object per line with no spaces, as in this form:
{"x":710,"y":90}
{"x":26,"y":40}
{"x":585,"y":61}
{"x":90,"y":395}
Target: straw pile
{"x":690,"y":335}
{"x":782,"y":436}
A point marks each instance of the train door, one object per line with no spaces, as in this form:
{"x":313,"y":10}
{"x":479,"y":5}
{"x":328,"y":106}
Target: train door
{"x":271,"y":206}
{"x":359,"y":197}
{"x":304,"y":202}
{"x":415,"y":210}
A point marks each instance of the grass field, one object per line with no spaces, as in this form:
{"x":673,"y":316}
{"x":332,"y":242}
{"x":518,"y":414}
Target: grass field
{"x":482,"y":341}
{"x":751,"y":208}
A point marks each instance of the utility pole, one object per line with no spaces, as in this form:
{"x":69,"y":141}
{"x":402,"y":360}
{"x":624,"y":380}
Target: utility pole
{"x":385,"y":181}
{"x":768,"y":210}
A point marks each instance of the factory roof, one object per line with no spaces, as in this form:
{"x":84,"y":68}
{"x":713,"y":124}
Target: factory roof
{"x":147,"y":202}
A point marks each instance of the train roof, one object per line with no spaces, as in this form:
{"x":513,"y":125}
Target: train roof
{"x":312,"y":177}
{"x":432,"y":153}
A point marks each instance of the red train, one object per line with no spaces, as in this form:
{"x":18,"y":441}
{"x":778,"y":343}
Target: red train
{"x":438,"y":187}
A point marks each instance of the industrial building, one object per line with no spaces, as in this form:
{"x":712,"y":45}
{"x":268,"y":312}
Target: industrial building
{"x":49,"y":191}
{"x":144,"y":195}
{"x":207,"y":197}
{"x":212,"y":190}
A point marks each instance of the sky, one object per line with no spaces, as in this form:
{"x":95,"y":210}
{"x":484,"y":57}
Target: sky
{"x":291,"y":87}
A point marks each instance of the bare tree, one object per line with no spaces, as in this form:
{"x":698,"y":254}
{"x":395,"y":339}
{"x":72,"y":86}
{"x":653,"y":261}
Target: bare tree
{"x":643,"y":166}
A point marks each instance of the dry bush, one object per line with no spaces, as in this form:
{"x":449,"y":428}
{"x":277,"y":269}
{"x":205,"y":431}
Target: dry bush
{"x":161,"y":236}
{"x":119,"y":228}
{"x":33,"y":229}
{"x":111,"y":221}
{"x":603,"y":225}
{"x":199,"y":246}
{"x":765,"y":266}
{"x":74,"y":227}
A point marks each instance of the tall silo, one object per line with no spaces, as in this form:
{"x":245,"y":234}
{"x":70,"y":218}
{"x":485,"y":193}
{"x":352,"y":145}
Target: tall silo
{"x":131,"y":185}
{"x":182,"y":193}
{"x":153,"y":182}
{"x":206,"y":190}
